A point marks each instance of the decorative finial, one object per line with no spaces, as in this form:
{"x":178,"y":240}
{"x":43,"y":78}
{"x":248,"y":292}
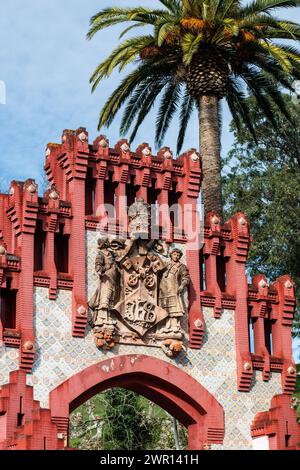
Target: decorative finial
{"x":194,"y":157}
{"x":215,"y":220}
{"x":242,"y":221}
{"x":262,"y":283}
{"x":54,"y":195}
{"x":83,"y":137}
{"x":168,"y":155}
{"x":103,"y":143}
{"x":146,"y":151}
{"x":32,"y":188}
{"x":125,"y":147}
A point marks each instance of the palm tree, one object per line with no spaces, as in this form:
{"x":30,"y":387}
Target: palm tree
{"x":196,"y":53}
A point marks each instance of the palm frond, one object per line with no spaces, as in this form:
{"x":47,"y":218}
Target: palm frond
{"x":237,"y":103}
{"x":111,"y":16}
{"x":145,"y":109}
{"x":256,"y":86}
{"x":187,"y":107}
{"x":138,"y":98}
{"x":265,"y":94}
{"x":189,"y":46}
{"x":167,"y":108}
{"x":225,"y":8}
{"x":278,"y":54}
{"x":131,"y":46}
{"x":133,"y":26}
{"x":258,"y":6}
{"x":122,"y":93}
{"x":173,"y":5}
{"x":270,"y":67}
{"x":162,"y":28}
{"x":189,"y":7}
{"x":291,"y":28}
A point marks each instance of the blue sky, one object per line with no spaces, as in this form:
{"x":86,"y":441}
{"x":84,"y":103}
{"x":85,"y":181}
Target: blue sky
{"x":46,"y":62}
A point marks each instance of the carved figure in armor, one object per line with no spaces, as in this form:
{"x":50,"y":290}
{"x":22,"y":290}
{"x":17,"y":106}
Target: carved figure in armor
{"x":174,"y":281}
{"x":106,"y":268}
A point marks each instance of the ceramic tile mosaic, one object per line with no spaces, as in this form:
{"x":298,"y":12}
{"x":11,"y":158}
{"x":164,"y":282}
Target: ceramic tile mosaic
{"x":9,"y":360}
{"x":59,"y":356}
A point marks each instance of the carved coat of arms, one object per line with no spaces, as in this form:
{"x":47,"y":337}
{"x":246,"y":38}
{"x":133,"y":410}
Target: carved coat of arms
{"x":140,"y":296}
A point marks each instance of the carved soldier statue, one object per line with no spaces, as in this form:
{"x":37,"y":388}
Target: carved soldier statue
{"x":174,"y":281}
{"x":106,"y":269}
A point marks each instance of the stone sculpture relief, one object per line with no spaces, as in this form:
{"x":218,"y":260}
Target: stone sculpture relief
{"x":142,"y":285}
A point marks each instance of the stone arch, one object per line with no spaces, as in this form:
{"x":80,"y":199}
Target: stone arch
{"x":161,"y":382}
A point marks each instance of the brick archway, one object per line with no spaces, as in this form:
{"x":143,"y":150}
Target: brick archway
{"x":163,"y":383}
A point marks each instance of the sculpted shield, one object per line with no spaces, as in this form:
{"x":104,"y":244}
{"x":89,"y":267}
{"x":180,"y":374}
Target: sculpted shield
{"x":139,"y":307}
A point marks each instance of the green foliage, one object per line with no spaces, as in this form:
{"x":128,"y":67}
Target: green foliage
{"x":263,"y":181}
{"x":119,"y":419}
{"x":124,"y":426}
{"x":243,"y":36}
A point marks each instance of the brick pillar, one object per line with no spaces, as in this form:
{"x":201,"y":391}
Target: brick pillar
{"x":164,"y":215}
{"x":142,"y":181}
{"x":195,"y":437}
{"x":142,"y":192}
{"x":77,"y":257}
{"x":237,"y":285}
{"x":259,"y":312}
{"x":102,"y":154}
{"x":143,"y":173}
{"x":50,"y":266}
{"x":121,"y":208}
{"x":282,"y":330}
{"x":75,"y":156}
{"x":25,"y":305}
{"x":99,"y":198}
{"x":259,"y":335}
{"x":210,"y":251}
{"x":191,"y":221}
{"x":3,"y":266}
{"x":23,"y":214}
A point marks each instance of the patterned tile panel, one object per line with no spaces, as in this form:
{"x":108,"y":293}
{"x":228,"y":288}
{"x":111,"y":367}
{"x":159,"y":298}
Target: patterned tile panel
{"x":9,"y":361}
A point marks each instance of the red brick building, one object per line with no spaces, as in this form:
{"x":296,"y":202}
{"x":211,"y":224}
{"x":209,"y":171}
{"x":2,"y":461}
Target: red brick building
{"x":231,"y":387}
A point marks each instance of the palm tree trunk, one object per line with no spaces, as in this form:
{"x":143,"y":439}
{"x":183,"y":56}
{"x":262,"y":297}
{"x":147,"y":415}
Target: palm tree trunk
{"x":210,"y":149}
